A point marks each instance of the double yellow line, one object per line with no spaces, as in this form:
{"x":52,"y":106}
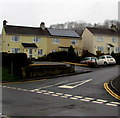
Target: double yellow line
{"x":110,"y":91}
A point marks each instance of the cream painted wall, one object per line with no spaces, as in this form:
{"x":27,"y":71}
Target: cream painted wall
{"x":64,"y":42}
{"x":46,"y":45}
{"x":106,"y":40}
{"x":87,"y":40}
{"x":90,"y":43}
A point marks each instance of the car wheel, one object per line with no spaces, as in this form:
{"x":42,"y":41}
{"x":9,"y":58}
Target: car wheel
{"x":105,"y":63}
{"x":96,"y":65}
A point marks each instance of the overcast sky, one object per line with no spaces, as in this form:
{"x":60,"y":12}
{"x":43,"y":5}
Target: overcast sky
{"x":33,"y":12}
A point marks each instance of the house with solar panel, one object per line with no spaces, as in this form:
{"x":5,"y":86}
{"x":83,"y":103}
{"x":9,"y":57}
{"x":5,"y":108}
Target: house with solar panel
{"x":100,"y":39}
{"x":38,"y":41}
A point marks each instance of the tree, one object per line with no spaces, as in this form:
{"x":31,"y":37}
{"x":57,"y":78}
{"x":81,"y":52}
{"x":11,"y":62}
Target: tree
{"x":71,"y":54}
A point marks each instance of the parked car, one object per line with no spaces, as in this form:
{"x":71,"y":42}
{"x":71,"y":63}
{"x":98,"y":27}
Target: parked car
{"x":88,"y":60}
{"x":106,"y":60}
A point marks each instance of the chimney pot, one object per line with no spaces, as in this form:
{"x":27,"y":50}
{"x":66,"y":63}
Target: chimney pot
{"x":4,"y":23}
{"x":42,"y":25}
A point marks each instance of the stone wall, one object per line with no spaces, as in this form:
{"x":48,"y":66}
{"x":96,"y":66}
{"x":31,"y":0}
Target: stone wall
{"x":38,"y":70}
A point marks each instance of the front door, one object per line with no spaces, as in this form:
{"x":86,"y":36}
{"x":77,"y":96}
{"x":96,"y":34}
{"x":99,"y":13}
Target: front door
{"x":30,"y":53}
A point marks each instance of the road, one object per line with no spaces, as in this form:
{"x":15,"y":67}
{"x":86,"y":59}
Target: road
{"x":77,"y":95}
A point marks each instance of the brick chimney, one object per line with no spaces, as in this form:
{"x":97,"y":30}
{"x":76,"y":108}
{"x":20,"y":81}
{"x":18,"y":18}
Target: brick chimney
{"x":4,"y":23}
{"x":42,"y":25}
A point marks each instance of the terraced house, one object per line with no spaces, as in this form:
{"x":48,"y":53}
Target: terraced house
{"x":38,"y":41}
{"x":99,"y":39}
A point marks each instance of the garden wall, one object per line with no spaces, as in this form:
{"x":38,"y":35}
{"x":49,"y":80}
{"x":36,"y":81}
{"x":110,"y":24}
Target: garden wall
{"x":38,"y":70}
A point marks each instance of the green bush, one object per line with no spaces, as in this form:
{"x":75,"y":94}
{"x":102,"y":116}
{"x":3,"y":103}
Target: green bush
{"x":6,"y":75}
{"x":14,"y":62}
{"x":117,"y":57}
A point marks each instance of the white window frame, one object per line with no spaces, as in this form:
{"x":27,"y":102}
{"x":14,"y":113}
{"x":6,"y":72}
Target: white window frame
{"x":15,"y":38}
{"x":74,"y":42}
{"x":37,"y":40}
{"x":100,"y":48}
{"x":114,"y":39}
{"x":56,"y":41}
{"x":15,"y":50}
{"x":99,"y":39}
{"x":116,"y":49}
{"x":40,"y":52}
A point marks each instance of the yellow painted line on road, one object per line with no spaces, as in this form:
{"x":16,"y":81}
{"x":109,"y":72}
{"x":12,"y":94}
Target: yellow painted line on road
{"x":76,"y":64}
{"x":23,"y":81}
{"x":110,"y":91}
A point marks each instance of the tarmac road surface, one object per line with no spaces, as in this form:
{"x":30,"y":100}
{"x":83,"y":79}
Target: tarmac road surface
{"x":77,"y":95}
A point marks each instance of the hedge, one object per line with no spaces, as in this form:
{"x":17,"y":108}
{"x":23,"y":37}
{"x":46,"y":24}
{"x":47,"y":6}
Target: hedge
{"x":14,"y":62}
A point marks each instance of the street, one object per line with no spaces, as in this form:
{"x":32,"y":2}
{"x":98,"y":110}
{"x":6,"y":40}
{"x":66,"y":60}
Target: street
{"x":77,"y":95}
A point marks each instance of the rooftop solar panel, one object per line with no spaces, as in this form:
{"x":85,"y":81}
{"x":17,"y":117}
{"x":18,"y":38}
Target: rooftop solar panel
{"x":66,"y":33}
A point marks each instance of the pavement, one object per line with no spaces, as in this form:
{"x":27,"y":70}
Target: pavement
{"x":113,"y":87}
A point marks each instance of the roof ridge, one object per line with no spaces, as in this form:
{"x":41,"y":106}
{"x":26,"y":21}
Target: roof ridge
{"x":22,"y":26}
{"x":61,"y":29}
{"x":99,"y":28}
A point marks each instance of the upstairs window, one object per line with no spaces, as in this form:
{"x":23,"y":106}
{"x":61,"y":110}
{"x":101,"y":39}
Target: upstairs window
{"x":56,"y":41}
{"x":15,"y":50}
{"x":99,"y":38}
{"x":74,"y":42}
{"x":114,"y":39}
{"x":37,"y":40}
{"x":15,"y":38}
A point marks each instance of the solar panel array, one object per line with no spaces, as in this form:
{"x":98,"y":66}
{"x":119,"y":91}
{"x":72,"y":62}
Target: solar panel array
{"x":65,"y":33}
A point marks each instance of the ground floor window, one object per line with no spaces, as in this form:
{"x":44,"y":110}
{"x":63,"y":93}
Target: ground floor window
{"x":100,"y":48}
{"x":117,"y":49}
{"x":40,"y":52}
{"x":15,"y":50}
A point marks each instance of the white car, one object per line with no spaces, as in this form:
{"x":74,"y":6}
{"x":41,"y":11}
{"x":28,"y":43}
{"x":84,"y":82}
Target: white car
{"x":106,"y":60}
{"x":88,"y":60}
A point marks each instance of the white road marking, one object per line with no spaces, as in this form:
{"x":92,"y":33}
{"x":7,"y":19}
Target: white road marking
{"x":39,"y":92}
{"x":60,"y":83}
{"x":68,"y":96}
{"x":59,"y":93}
{"x":13,"y":88}
{"x":54,"y":95}
{"x":25,"y":90}
{"x":8,"y":87}
{"x":89,"y":98}
{"x":49,"y":86}
{"x":73,"y":98}
{"x":32,"y":90}
{"x":43,"y":90}
{"x":64,"y":96}
{"x":101,"y":100}
{"x":85,"y":100}
{"x":4,"y":86}
{"x":78,"y":96}
{"x":111,"y":104}
{"x":98,"y":102}
{"x":46,"y":93}
{"x":19,"y":89}
{"x":36,"y":89}
{"x":115,"y":103}
{"x":50,"y":92}
{"x":74,"y":84}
